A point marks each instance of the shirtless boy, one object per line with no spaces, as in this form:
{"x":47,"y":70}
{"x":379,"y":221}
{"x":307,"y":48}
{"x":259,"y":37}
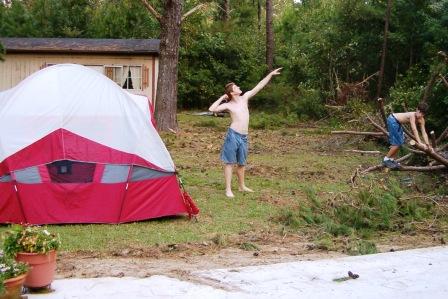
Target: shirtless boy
{"x":234,"y":150}
{"x":396,"y":134}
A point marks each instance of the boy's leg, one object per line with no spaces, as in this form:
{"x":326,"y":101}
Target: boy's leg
{"x":228,"y":169}
{"x":393,"y":151}
{"x":241,"y":185}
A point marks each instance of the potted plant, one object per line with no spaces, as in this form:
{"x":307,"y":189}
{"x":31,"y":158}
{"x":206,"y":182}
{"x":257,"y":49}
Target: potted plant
{"x":12,"y":277}
{"x":37,"y":247}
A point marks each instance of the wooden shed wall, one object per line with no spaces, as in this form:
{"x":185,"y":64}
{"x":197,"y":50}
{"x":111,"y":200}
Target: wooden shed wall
{"x":17,"y":67}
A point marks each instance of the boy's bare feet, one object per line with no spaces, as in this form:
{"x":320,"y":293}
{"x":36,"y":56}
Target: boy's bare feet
{"x":245,"y":189}
{"x":229,"y":194}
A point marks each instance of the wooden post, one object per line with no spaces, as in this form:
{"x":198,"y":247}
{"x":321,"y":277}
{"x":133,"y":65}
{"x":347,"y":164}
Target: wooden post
{"x":433,"y":139}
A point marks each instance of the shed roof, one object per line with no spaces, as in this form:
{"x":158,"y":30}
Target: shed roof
{"x":80,"y":45}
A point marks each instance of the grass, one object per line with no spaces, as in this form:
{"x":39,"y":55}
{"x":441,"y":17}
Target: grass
{"x":300,"y":175}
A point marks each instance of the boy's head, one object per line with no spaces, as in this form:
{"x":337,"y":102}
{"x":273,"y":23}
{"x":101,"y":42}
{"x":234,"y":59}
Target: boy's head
{"x":422,"y":109}
{"x":231,"y":89}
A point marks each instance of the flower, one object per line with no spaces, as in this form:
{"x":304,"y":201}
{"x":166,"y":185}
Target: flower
{"x":9,"y":268}
{"x":30,"y":239}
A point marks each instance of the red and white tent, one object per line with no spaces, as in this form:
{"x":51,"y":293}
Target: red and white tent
{"x":76,"y":148}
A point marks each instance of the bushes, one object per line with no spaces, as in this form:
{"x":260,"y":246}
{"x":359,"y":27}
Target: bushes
{"x":357,"y":215}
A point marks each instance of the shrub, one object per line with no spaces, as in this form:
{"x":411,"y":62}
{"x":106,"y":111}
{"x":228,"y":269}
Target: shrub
{"x":9,"y":268}
{"x":31,"y":239}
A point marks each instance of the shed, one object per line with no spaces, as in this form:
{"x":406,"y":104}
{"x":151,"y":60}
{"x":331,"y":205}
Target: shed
{"x":131,"y":63}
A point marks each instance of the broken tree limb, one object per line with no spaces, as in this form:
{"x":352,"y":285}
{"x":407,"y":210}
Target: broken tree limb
{"x":377,"y":125}
{"x":379,"y":134}
{"x":363,"y":152}
{"x":413,"y":150}
{"x":335,"y":107}
{"x":382,"y":111}
{"x":367,"y":79}
{"x":430,"y":152}
{"x":442,"y":136}
{"x":407,"y":132}
{"x":422,"y":168}
{"x":381,"y":166}
{"x":354,"y":176}
{"x":444,"y":80}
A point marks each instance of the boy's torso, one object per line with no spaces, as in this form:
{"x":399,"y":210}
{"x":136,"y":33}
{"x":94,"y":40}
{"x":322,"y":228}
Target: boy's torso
{"x":405,"y":117}
{"x":239,"y":112}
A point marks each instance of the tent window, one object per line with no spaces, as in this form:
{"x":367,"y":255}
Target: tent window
{"x":5,"y":178}
{"x":115,"y":174}
{"x":66,"y":171}
{"x":28,"y":176}
{"x":143,"y":173}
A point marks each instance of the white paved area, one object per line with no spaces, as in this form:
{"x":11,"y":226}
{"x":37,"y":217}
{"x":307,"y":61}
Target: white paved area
{"x":419,"y":273}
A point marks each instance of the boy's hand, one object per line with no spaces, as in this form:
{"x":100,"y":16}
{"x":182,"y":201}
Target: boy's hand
{"x":425,"y":147}
{"x":276,"y":71}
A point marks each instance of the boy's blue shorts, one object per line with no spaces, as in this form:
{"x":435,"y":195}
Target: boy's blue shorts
{"x":234,"y":149}
{"x":396,"y":134}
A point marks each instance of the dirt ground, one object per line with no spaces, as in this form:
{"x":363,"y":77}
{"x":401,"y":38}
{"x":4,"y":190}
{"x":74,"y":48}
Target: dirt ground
{"x":180,"y":260}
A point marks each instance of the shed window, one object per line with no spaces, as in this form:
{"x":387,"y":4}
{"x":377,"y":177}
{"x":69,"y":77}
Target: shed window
{"x":127,"y":76}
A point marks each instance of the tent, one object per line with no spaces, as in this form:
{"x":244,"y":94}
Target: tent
{"x":76,"y":148}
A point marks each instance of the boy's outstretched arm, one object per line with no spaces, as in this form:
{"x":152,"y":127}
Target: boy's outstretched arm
{"x":262,"y":83}
{"x":217,"y":106}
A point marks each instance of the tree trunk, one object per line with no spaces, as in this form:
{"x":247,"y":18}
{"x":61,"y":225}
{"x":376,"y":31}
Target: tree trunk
{"x":269,"y":36}
{"x":383,"y":53}
{"x":225,"y":15}
{"x":259,"y":14}
{"x":166,"y":100}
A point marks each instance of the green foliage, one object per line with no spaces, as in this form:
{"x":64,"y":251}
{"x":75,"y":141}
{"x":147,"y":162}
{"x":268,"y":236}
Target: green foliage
{"x":264,"y":121}
{"x":249,"y":246}
{"x":31,"y":239}
{"x":9,"y":268}
{"x":357,"y":215}
{"x":320,"y":44}
{"x":288,"y":218}
{"x":121,"y":19}
{"x":361,"y":247}
{"x":206,"y":123}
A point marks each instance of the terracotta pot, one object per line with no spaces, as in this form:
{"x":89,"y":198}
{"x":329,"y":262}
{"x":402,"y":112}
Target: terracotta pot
{"x":42,"y":268}
{"x":13,"y":287}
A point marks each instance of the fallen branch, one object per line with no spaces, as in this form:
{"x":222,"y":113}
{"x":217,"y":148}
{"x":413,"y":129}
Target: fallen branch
{"x":430,"y":152}
{"x":382,"y":111}
{"x":442,"y":136}
{"x":381,"y":166}
{"x":444,"y":80}
{"x":422,"y":168}
{"x":355,"y":174}
{"x":380,"y":134}
{"x":335,"y":107}
{"x":367,"y":79}
{"x":412,"y":150}
{"x":364,"y":152}
{"x":377,"y":125}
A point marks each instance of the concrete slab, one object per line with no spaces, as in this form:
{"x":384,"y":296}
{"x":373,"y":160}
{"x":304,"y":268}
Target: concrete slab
{"x":418,"y":273}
